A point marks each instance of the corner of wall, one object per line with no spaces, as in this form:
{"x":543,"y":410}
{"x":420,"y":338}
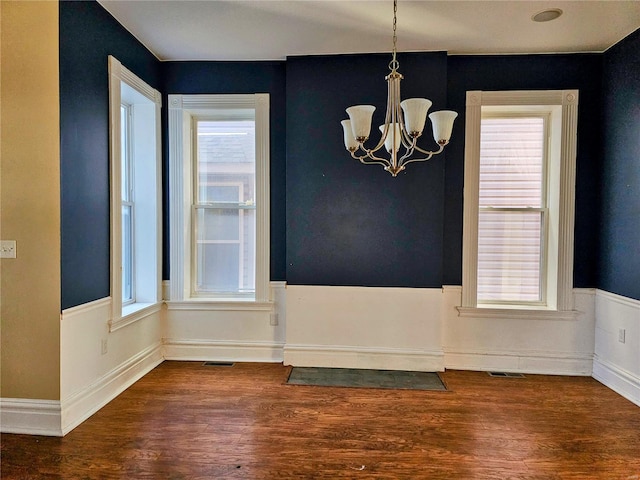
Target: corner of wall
{"x":616,"y":362}
{"x":97,"y":364}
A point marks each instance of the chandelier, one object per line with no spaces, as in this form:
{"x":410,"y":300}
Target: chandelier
{"x":403,"y":124}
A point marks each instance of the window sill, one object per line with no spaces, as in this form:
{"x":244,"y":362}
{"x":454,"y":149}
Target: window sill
{"x":517,"y":313}
{"x":132,"y":313}
{"x":224,"y":305}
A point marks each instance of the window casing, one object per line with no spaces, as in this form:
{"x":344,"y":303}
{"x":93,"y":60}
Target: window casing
{"x":135,"y":157}
{"x":519,"y":210}
{"x":219,"y":198}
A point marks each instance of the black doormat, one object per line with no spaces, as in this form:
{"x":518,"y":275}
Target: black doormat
{"x":360,"y":378}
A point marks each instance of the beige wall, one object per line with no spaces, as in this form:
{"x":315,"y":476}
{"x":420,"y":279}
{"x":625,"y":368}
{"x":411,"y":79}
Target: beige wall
{"x":30,"y":200}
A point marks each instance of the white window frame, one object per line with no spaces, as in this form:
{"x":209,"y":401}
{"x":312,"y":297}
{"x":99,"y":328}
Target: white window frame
{"x":560,"y":278}
{"x":145,"y":103}
{"x":182,"y":110}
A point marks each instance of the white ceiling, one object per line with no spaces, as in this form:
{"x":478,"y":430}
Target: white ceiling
{"x":273,"y":29}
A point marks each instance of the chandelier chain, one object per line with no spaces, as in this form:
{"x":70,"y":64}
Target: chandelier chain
{"x":393,"y":66}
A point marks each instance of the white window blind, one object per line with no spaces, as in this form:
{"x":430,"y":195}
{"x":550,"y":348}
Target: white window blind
{"x":512,"y":212}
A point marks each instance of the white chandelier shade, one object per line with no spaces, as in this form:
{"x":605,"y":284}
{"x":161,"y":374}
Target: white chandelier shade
{"x":392,"y":138}
{"x":415,"y":113}
{"x":442,"y":122}
{"x":403,"y":125}
{"x":361,"y":116}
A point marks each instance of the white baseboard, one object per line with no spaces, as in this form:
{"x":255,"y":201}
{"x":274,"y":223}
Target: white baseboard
{"x":209,"y":350}
{"x":363,"y":357}
{"x":30,"y":416}
{"x":617,"y":379}
{"x":81,"y":405}
{"x":545,"y":363}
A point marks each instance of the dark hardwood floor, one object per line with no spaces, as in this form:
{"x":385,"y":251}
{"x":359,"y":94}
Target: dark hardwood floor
{"x":187,"y":421}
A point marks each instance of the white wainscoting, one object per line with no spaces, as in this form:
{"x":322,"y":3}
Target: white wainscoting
{"x":91,"y":377}
{"x":420,"y":329}
{"x":364,"y":327}
{"x":79,"y":406}
{"x":616,"y":364}
{"x":226,"y":332}
{"x":358,"y":327}
{"x":96,"y":365}
{"x":545,"y":346}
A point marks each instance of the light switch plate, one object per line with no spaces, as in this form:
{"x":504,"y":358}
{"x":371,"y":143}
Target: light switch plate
{"x":7,"y":249}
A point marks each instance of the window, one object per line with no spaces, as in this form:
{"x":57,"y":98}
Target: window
{"x":224,"y":221}
{"x":513,"y":213}
{"x":135,"y":196}
{"x":219,"y":205}
{"x":518,"y":204}
{"x":126,"y":166}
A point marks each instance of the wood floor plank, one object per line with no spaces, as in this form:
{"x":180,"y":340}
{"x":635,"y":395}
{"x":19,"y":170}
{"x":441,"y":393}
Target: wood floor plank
{"x":187,"y":421}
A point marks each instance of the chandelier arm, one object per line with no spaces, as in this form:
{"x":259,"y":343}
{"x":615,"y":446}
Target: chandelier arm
{"x":380,"y":143}
{"x":374,"y":160}
{"x":366,"y":152}
{"x":411,"y":149}
{"x":408,"y":152}
{"x":383,"y":163}
{"x":408,"y":141}
{"x":431,"y":153}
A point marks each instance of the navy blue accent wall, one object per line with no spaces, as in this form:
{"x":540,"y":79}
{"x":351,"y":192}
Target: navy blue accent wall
{"x":88,"y":34}
{"x":333,"y":220}
{"x":530,"y":72}
{"x":240,"y":78}
{"x":354,"y":224}
{"x":619,"y":269}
